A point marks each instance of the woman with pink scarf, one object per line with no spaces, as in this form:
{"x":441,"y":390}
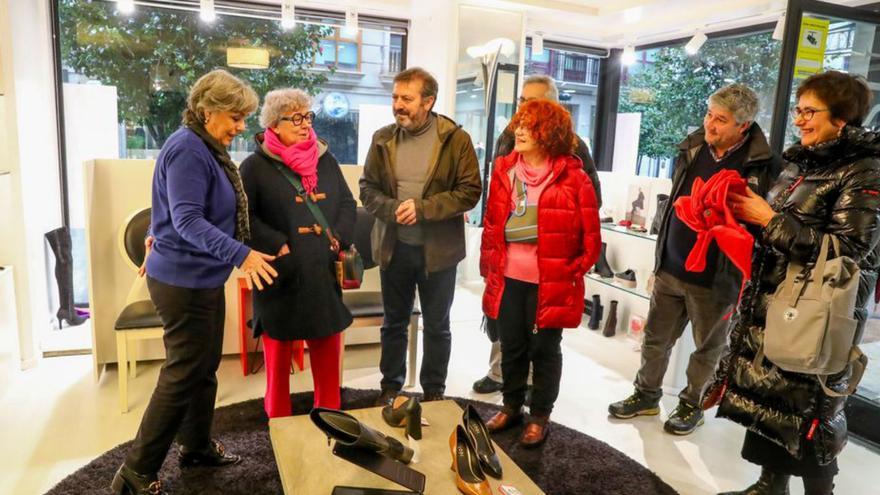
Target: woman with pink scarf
{"x":305,"y":302}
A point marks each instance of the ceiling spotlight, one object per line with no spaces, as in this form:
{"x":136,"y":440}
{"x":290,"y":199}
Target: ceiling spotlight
{"x":351,"y":22}
{"x":629,"y":55}
{"x":206,"y":10}
{"x":694,"y":45}
{"x":125,"y":6}
{"x":779,"y":30}
{"x":288,"y":17}
{"x":537,"y":43}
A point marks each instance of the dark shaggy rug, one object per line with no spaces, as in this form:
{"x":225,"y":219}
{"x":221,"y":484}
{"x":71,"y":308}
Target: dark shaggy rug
{"x":570,"y":463}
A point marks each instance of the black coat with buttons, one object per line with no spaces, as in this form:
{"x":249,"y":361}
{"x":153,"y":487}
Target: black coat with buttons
{"x":832,"y":188}
{"x":304,"y":302}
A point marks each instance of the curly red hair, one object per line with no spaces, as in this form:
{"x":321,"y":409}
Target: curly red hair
{"x":550,"y":126}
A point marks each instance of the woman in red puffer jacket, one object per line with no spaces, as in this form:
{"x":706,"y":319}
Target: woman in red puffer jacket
{"x":540,"y":236}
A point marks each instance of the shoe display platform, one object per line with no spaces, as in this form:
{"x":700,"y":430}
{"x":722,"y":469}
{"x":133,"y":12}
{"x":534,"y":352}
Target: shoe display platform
{"x":307,"y":465}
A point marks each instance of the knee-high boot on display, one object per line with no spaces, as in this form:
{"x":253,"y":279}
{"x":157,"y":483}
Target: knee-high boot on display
{"x":347,"y":430}
{"x":662,"y":201}
{"x":769,"y":483}
{"x":59,"y":241}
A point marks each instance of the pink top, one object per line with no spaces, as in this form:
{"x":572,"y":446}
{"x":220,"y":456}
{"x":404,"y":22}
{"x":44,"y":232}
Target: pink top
{"x":522,"y":257}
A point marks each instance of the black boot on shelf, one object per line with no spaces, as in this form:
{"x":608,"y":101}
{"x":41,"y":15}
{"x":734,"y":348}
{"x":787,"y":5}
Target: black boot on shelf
{"x":769,"y":483}
{"x":602,"y":268}
{"x":611,"y":322}
{"x":596,"y":311}
{"x":662,"y":203}
{"x":59,"y":241}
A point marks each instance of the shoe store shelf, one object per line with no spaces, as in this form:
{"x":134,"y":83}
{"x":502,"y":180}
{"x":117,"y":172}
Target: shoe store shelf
{"x":610,"y":227}
{"x":610,"y":283}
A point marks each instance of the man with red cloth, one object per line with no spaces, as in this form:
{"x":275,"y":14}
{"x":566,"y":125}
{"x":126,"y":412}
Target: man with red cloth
{"x":730,"y":142}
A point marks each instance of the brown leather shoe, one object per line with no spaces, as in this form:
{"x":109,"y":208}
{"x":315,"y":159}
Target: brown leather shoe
{"x":535,"y":432}
{"x":504,"y":419}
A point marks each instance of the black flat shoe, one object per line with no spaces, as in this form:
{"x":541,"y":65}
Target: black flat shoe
{"x":128,"y":482}
{"x":406,"y":412}
{"x":479,"y":436}
{"x":214,"y":455}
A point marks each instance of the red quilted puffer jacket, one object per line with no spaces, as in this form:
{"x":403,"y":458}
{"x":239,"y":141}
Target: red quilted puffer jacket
{"x":568,"y":241}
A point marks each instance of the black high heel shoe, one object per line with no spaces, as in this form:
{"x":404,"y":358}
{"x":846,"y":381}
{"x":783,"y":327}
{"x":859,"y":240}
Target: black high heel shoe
{"x":469,"y":477}
{"x":128,"y":482}
{"x":479,"y":435}
{"x":406,"y":412}
{"x":347,"y":430}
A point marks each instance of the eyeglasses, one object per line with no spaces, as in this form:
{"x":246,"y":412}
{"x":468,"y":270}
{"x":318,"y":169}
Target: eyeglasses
{"x":297,"y":118}
{"x":805,"y":113}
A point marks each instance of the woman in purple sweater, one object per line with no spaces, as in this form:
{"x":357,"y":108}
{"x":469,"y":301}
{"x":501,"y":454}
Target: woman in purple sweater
{"x":198,"y":228}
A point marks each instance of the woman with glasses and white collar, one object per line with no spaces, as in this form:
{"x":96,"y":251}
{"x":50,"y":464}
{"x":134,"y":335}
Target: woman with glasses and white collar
{"x":305,"y":302}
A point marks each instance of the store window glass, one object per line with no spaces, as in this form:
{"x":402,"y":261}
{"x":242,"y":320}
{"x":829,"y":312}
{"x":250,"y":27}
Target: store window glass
{"x":663,"y":94}
{"x":576,"y":73}
{"x":125,"y":78}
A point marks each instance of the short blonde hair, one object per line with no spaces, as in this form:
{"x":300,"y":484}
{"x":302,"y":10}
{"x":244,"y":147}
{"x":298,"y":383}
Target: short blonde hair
{"x":281,"y":101}
{"x":219,"y":91}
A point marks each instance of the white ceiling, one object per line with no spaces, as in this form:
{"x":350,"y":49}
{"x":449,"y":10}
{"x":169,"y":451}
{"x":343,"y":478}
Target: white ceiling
{"x":607,"y":23}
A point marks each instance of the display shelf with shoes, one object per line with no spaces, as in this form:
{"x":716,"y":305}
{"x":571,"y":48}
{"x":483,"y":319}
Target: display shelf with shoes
{"x":636,"y":291}
{"x":609,"y":227}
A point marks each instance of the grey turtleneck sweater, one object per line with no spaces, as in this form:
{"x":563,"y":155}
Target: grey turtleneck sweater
{"x":414,"y":151}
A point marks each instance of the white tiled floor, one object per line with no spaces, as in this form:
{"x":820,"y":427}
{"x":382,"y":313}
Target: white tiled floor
{"x":55,"y":418}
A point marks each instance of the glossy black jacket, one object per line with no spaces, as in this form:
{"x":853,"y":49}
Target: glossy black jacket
{"x":831,"y":188}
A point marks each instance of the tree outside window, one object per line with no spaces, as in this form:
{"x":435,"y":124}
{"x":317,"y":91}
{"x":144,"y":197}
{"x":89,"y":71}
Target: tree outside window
{"x":669,"y":89}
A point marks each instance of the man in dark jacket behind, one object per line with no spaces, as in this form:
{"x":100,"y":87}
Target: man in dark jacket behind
{"x":419,"y":179}
{"x":729,"y":139}
{"x":534,"y":87}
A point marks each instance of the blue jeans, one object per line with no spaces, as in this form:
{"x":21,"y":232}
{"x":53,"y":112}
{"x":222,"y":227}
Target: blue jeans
{"x":404,"y":274}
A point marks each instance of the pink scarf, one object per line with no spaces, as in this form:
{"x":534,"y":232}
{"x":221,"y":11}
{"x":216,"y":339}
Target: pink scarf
{"x":301,"y":157}
{"x":532,"y":176}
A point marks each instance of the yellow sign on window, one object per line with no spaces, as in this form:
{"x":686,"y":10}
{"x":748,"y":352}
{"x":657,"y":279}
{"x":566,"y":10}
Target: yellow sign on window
{"x":811,"y":47}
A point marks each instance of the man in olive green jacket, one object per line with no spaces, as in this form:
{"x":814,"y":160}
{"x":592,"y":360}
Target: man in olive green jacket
{"x":420,"y":177}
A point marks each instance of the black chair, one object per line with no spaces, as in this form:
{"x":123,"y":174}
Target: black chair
{"x":138,"y":320}
{"x":366,"y":306}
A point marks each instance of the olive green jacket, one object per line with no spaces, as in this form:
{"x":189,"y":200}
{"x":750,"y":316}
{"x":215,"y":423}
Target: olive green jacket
{"x":452,"y":187}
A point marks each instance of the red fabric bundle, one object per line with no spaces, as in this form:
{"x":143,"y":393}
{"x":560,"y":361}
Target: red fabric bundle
{"x":707,"y":213}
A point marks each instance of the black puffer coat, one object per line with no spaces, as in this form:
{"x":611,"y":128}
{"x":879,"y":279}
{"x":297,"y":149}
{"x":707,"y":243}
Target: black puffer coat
{"x":831,"y":188}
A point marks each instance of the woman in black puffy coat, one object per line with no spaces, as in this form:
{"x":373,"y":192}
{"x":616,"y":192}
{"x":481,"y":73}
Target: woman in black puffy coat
{"x":831,"y":186}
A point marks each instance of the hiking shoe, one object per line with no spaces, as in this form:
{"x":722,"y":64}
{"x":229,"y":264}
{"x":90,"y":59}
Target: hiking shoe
{"x":487,"y":385}
{"x":637,"y":404}
{"x":684,"y":419}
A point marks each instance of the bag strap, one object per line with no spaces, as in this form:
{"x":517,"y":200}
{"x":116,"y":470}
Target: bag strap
{"x":859,"y":362}
{"x":818,"y":272}
{"x":297,"y":185}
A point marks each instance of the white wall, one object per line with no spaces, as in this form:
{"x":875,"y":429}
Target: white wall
{"x":91,"y":130}
{"x":25,"y":42}
{"x":432,"y":44}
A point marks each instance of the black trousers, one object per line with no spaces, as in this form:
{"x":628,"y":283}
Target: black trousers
{"x":818,"y":479}
{"x":404,"y":274}
{"x":522,"y":343}
{"x":182,"y":404}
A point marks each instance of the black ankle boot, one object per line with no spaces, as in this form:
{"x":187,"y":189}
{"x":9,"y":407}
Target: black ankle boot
{"x":602,"y":267}
{"x":611,"y":321}
{"x":769,"y":483}
{"x":128,"y":482}
{"x":596,"y":311}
